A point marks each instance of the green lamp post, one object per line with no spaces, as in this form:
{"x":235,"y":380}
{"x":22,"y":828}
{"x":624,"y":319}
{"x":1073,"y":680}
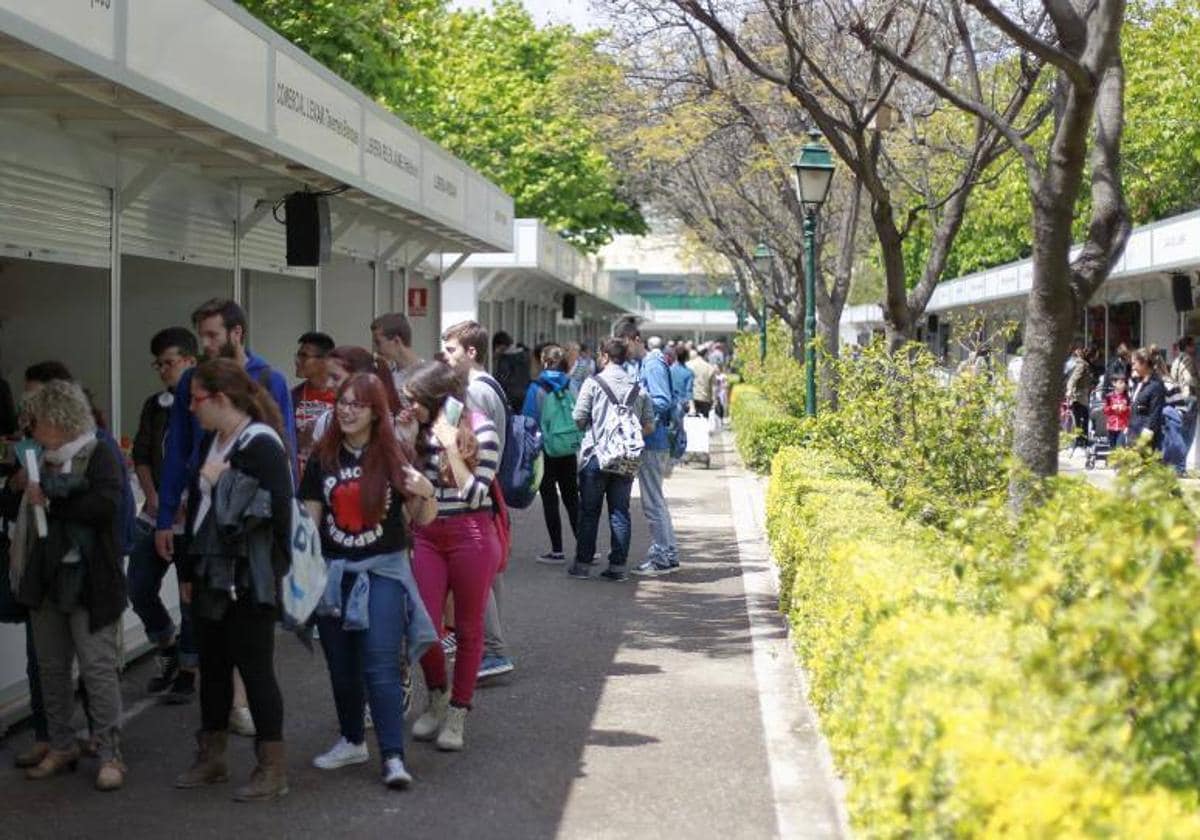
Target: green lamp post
{"x":813,"y":172}
{"x":764,"y":262}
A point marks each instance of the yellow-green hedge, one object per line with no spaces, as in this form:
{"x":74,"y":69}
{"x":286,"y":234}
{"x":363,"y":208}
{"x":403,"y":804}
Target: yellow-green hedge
{"x":762,"y":428}
{"x":932,"y":719}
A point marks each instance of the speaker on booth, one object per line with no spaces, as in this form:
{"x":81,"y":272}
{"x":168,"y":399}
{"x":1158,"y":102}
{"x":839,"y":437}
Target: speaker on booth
{"x":1181,"y":291}
{"x":568,"y":307}
{"x":308,"y":230}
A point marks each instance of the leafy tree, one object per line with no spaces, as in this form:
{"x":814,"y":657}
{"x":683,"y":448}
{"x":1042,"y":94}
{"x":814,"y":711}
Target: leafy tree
{"x":491,"y":87}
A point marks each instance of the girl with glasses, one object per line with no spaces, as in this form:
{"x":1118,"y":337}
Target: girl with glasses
{"x":362,"y":490}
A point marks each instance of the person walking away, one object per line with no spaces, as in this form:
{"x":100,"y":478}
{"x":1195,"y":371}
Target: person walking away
{"x":312,"y":398}
{"x":1147,"y":402}
{"x":655,"y":378}
{"x":683,"y":380}
{"x":549,"y":401}
{"x":702,"y":384}
{"x":1183,"y":373}
{"x":221,"y":326}
{"x":174,"y":350}
{"x":362,"y":490}
{"x":391,"y":335}
{"x":598,"y":403}
{"x":1079,"y":390}
{"x":1116,"y":412}
{"x":459,"y":551}
{"x":239,"y":518}
{"x":67,"y":571}
{"x":464,"y":346}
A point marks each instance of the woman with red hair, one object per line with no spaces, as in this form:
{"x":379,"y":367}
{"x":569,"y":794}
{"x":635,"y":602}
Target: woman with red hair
{"x":361,"y":489}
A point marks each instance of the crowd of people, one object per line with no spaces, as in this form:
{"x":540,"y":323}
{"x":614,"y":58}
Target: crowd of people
{"x":400,"y":463}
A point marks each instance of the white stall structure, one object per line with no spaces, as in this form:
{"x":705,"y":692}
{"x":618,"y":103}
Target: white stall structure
{"x":1136,"y":305}
{"x":145,"y":146}
{"x":544,"y":289}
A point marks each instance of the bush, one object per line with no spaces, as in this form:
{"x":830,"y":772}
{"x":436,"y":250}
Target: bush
{"x":761,"y":428}
{"x":966,"y":688}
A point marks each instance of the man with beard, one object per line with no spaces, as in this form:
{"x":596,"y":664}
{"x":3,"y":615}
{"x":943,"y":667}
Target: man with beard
{"x":221,"y":325}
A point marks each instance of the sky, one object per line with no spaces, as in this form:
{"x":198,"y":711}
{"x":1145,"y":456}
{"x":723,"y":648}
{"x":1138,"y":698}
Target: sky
{"x":578,"y":13}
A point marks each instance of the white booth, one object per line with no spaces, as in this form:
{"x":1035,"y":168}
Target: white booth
{"x":145,"y":146}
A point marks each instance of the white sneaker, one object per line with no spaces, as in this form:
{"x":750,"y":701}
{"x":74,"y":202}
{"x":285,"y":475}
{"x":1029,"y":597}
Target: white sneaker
{"x":342,"y":754}
{"x":395,"y":775}
{"x":427,"y":725}
{"x":241,"y":723}
{"x":450,"y":738}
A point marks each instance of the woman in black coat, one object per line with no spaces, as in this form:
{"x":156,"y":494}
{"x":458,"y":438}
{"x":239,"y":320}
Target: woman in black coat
{"x":1147,"y":402}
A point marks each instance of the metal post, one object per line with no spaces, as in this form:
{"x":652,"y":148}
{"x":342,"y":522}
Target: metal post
{"x":810,"y":312}
{"x":762,"y":330}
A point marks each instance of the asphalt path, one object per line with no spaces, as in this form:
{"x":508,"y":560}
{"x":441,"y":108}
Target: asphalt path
{"x":633,"y":712}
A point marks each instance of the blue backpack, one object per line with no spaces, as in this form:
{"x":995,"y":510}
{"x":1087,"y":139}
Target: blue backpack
{"x":521,"y":463}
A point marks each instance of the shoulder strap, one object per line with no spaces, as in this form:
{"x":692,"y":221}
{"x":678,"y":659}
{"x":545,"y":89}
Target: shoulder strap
{"x":495,"y":386}
{"x":632,"y":395}
{"x":608,"y":392}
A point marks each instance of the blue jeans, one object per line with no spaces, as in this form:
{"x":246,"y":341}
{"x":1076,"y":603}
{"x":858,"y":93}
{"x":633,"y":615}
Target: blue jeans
{"x":663,"y":548}
{"x":370,"y":656}
{"x":595,"y":487}
{"x":146,"y":572}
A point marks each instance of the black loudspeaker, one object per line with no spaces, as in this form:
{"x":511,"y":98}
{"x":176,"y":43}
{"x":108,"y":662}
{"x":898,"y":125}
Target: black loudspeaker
{"x":568,"y":311}
{"x":1181,"y":291}
{"x":933,"y":325}
{"x":308,"y":231}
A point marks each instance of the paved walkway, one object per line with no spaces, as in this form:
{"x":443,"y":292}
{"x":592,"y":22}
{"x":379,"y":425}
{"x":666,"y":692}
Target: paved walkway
{"x":659,"y":708}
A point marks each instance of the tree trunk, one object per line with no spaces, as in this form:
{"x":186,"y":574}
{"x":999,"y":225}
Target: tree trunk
{"x":829,"y":331}
{"x":1051,"y":319}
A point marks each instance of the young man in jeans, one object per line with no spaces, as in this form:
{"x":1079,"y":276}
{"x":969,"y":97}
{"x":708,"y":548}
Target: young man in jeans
{"x":654,"y":375}
{"x":595,"y":485}
{"x":465,"y":347}
{"x":174,"y":351}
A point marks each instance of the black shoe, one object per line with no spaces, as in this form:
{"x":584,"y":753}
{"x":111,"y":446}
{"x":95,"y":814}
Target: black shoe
{"x":168,"y":668}
{"x":579,"y":571}
{"x":614,"y":575}
{"x":182,"y":690}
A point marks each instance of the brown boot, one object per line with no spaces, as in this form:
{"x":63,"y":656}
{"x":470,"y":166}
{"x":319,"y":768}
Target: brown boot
{"x":209,"y":767}
{"x":111,"y":775}
{"x":269,"y":779}
{"x":55,"y":762}
{"x":33,"y":756}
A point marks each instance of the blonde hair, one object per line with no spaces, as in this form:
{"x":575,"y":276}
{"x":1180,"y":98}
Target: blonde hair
{"x":63,"y":405}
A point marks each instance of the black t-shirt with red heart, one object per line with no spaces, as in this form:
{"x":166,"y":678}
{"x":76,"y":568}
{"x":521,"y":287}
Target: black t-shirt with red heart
{"x":343,"y":532}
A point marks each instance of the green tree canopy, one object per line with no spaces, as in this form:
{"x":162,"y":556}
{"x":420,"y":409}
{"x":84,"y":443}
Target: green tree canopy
{"x":491,"y":87}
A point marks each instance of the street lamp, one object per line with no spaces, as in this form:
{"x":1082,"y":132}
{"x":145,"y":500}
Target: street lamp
{"x":813,"y":171}
{"x":764,"y":262}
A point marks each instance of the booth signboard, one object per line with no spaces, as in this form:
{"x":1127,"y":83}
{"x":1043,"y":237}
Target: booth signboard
{"x":418,"y":302}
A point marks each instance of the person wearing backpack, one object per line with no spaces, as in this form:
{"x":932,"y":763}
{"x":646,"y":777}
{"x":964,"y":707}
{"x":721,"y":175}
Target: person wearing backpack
{"x":615,"y":416}
{"x":549,"y":401}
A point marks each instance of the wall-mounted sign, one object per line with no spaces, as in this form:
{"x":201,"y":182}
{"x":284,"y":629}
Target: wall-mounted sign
{"x":418,"y":302}
{"x":313,"y":115}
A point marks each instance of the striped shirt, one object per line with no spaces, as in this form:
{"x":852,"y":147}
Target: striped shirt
{"x":451,"y":499}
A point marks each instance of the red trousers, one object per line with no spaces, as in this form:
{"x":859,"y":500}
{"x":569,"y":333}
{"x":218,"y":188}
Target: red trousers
{"x":458,"y":554}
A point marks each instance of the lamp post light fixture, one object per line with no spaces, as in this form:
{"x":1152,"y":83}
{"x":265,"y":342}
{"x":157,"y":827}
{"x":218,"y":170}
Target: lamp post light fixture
{"x":813,"y":172}
{"x":764,"y":261}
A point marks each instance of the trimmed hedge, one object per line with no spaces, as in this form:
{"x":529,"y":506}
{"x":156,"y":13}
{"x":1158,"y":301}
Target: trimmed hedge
{"x":930,"y":677}
{"x":761,"y":428}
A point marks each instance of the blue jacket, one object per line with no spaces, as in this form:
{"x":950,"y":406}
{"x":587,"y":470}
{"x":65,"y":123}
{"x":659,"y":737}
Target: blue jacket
{"x":184,"y":435}
{"x":655,"y":377}
{"x":681,"y":382}
{"x":536,"y":393}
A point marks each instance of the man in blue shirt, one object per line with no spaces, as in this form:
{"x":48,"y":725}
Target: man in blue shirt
{"x":655,"y":377}
{"x":221,"y":326}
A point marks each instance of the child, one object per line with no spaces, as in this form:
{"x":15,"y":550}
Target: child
{"x":1116,"y":412}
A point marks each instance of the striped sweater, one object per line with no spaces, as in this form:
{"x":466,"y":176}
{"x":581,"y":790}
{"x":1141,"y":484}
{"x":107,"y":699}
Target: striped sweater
{"x":451,"y":499}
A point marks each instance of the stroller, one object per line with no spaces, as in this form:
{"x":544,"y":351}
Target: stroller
{"x":1098,"y":446}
